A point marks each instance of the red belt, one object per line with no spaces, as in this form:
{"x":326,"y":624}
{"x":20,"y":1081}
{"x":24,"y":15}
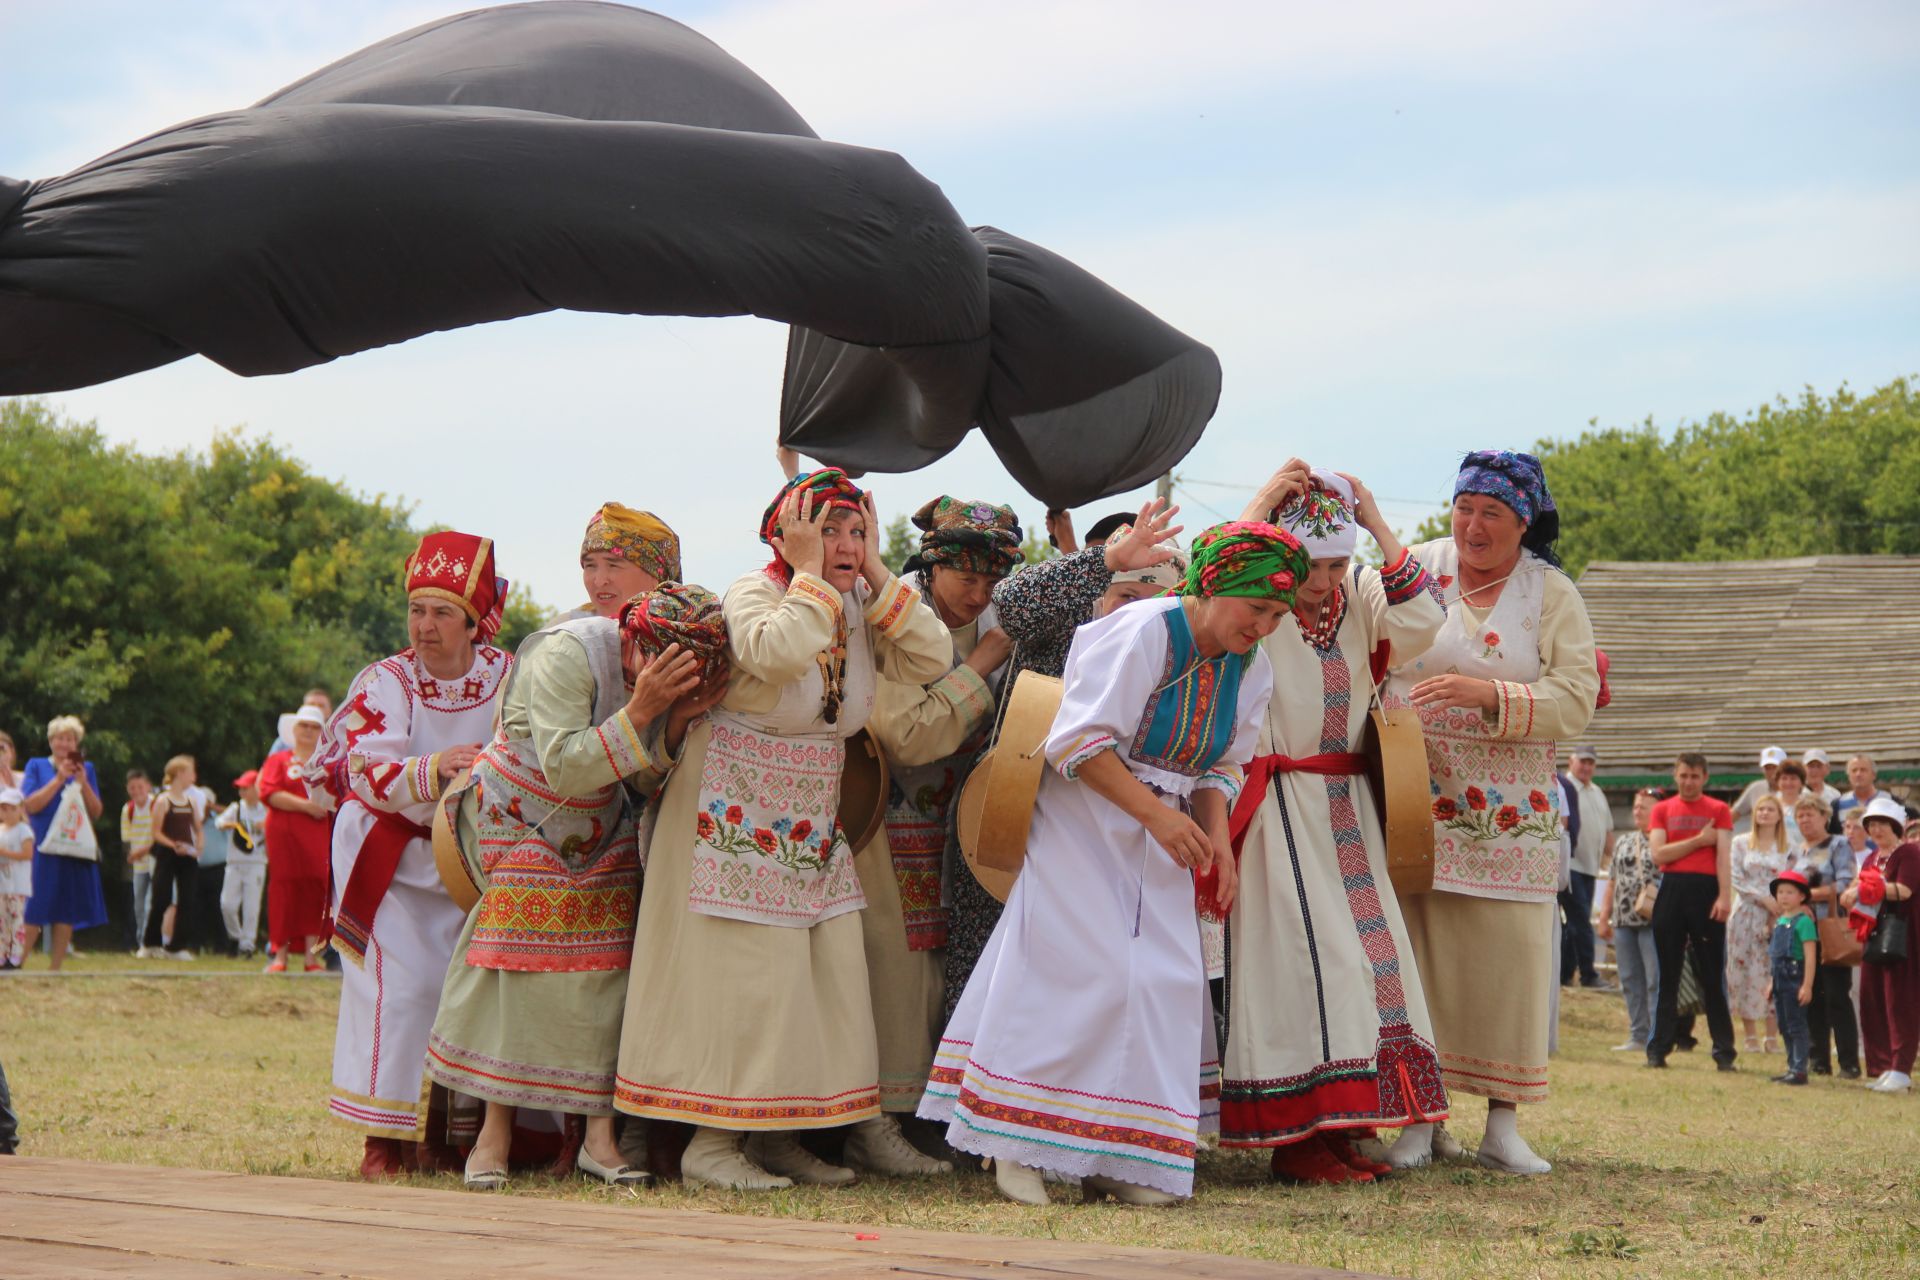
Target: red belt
{"x":1260,"y":772}
{"x":367,"y":883}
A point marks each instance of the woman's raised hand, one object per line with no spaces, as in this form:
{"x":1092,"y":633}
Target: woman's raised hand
{"x":1140,"y":547}
{"x":802,"y":540}
{"x":875,"y":569}
{"x":1289,"y":482}
{"x":663,"y":680}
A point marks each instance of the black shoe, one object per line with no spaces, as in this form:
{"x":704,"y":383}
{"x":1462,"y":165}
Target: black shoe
{"x":1849,"y":1073}
{"x":1724,"y":1064}
{"x":1686,"y":1046}
{"x":1659,"y":1064}
{"x":1820,"y":1069}
{"x":1790,"y":1077}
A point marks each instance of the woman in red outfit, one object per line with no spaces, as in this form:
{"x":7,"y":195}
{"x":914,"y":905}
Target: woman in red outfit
{"x":1890,"y":993}
{"x":299,"y":846}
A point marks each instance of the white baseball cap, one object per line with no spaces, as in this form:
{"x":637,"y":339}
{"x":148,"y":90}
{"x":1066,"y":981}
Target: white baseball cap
{"x":12,"y":795}
{"x":1815,"y":753}
{"x":1773,"y":755}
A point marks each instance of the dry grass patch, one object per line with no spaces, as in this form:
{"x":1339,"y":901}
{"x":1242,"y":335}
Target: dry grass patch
{"x":1685,"y":1173}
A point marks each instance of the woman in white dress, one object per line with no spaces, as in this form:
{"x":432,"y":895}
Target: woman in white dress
{"x":1511,"y":673}
{"x":1760,"y":853}
{"x":1328,"y":1029}
{"x":1084,"y":1042}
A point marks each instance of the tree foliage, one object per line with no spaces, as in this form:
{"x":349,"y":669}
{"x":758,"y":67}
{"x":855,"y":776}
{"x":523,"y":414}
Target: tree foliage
{"x":1833,"y":475}
{"x":179,"y":603}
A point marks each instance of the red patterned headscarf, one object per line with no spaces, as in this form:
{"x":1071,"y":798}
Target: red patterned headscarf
{"x":830,"y":488}
{"x":458,"y":568}
{"x":682,"y":614}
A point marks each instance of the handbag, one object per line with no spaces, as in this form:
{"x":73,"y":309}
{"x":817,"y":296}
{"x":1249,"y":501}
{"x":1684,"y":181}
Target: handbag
{"x":1644,"y":900}
{"x":70,"y":835}
{"x":1888,"y":942}
{"x":1837,"y":943}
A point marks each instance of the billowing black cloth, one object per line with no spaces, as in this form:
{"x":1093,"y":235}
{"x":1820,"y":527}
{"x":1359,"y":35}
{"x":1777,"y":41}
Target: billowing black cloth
{"x":591,"y":157}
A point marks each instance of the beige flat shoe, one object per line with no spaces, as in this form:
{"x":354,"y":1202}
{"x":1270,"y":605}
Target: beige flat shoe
{"x":714,"y":1159}
{"x":780,"y":1153}
{"x":879,"y":1146}
{"x":1095,"y":1187}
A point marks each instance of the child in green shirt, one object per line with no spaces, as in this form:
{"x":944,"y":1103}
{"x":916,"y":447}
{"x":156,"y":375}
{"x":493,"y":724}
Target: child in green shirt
{"x":1792,"y":950}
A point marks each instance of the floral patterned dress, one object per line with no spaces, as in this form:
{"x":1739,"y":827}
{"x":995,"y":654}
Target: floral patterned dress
{"x":1749,"y":975}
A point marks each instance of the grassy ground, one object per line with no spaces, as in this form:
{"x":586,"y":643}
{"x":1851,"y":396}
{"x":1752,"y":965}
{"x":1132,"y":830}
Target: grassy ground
{"x":1684,"y":1173}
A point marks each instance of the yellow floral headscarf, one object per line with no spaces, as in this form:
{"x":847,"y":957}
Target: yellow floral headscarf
{"x":638,"y":537}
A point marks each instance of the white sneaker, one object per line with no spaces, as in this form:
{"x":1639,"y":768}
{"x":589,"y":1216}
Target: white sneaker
{"x":1894,"y":1082}
{"x":1879,"y":1080}
{"x":182,"y":954}
{"x":144,"y":952}
{"x":1628,"y":1046}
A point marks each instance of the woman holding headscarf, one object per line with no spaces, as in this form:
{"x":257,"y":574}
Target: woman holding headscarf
{"x":930,"y":734}
{"x":1084,"y":1042}
{"x":624,"y":553}
{"x":1511,"y":673}
{"x":747,"y":1008}
{"x":549,"y":827}
{"x":1329,"y":1023}
{"x":1040,"y":608}
{"x":409,"y":724}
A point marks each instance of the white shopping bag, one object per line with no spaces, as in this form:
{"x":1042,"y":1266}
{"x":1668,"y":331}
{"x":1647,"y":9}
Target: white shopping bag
{"x":71,"y":835}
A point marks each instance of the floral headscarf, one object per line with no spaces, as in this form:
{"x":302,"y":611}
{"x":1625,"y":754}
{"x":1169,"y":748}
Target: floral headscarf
{"x":682,"y":614}
{"x":1518,"y":480}
{"x":830,"y":488}
{"x":1247,"y":558}
{"x":973,"y":537}
{"x":1323,"y":517}
{"x":640,"y":538}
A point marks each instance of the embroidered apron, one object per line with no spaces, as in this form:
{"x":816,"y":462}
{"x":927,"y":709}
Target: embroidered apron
{"x":918,"y":803}
{"x":560,"y":874}
{"x":1496,"y":806}
{"x":768,"y":845}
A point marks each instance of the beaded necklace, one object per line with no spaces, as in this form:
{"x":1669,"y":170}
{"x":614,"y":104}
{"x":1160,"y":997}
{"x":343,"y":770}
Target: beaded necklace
{"x":1320,"y":634}
{"x":833,"y":669}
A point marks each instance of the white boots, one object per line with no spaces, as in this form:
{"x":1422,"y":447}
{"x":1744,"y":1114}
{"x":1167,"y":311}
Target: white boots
{"x":1019,"y":1183}
{"x":714,"y":1158}
{"x":878,"y":1146}
{"x":782,"y":1154}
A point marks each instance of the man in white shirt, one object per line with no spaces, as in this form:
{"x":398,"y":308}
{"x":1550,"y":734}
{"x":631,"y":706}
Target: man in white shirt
{"x":1817,"y":763}
{"x":1770,"y":761}
{"x":1591,"y":849}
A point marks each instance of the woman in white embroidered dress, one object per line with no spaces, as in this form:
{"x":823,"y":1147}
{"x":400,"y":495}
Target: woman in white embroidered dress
{"x":1084,"y":1042}
{"x":408,"y":725}
{"x":747,"y":1003}
{"x":930,"y":734}
{"x":1328,"y":1023}
{"x":1759,"y":854}
{"x":1511,"y":673}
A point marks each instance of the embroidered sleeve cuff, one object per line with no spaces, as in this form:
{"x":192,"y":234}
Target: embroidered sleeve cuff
{"x":890,"y":604}
{"x":1513,"y":714}
{"x":1082,"y":751}
{"x":1404,"y":579}
{"x":1225,"y":777}
{"x":968,"y":691}
{"x":423,"y":778}
{"x":807,"y":587}
{"x":626,"y":751}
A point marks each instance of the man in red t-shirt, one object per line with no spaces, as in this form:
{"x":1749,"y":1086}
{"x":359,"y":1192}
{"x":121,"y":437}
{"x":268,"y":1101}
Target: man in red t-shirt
{"x":1692,"y":839}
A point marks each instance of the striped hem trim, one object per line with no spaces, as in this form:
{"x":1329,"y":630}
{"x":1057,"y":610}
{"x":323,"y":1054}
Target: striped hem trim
{"x":720,"y":1112}
{"x":1081,"y":752}
{"x":1404,"y":579}
{"x":890,"y":605}
{"x":810,"y":589}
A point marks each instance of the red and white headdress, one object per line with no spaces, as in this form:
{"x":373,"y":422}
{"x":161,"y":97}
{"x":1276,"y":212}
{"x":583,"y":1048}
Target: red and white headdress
{"x":458,"y":568}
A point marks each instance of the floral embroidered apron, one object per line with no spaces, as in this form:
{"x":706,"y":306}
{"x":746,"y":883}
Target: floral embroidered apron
{"x":1496,"y":806}
{"x":561,"y":874}
{"x":768,"y":845}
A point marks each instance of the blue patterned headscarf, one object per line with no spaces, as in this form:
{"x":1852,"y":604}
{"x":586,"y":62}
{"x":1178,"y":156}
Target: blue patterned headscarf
{"x":1517,"y":480}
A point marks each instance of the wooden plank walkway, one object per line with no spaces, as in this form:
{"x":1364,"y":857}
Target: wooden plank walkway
{"x":74,"y":1220}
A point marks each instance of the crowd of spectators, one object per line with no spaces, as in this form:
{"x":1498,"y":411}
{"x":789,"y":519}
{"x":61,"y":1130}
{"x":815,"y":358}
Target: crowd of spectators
{"x":201,"y":861}
{"x":1763,"y":910}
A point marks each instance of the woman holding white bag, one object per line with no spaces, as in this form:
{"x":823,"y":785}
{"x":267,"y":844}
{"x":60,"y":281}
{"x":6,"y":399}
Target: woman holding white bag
{"x":63,"y":801}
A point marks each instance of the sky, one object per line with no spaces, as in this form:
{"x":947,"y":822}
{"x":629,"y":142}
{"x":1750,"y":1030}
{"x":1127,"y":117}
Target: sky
{"x":1408,"y":228}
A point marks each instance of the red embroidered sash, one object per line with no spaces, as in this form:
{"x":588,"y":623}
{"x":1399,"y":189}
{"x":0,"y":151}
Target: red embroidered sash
{"x":1260,"y":774}
{"x":368,"y":881}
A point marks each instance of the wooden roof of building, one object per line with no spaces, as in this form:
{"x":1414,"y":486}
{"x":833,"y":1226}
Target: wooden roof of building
{"x":1729,"y":657}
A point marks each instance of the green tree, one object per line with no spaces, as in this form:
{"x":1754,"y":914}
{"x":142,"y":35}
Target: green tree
{"x":902,"y":542}
{"x":1832,"y":475}
{"x":178,"y":603}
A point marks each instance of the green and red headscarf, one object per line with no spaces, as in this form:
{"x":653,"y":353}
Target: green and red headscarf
{"x":678,"y":613}
{"x":1247,"y":558}
{"x":829,"y":487}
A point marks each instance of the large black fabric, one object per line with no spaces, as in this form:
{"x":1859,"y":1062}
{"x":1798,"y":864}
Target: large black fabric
{"x":591,"y":157}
